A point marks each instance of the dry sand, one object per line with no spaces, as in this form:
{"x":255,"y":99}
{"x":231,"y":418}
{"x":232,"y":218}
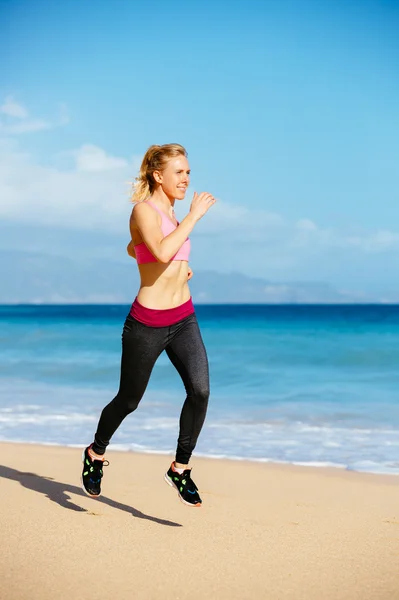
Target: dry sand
{"x":264,"y":531}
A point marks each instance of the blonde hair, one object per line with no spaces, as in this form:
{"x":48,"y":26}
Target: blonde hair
{"x":155,"y":159}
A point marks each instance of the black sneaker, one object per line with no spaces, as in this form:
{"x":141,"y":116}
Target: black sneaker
{"x":185,"y":486}
{"x":92,"y":474}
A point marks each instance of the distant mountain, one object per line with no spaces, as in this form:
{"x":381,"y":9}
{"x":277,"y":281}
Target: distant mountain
{"x":40,"y":278}
{"x":212,"y":287}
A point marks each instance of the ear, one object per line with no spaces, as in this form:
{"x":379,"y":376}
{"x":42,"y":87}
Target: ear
{"x":157,"y":175}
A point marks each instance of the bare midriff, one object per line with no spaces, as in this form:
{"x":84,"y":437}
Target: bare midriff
{"x":163,"y":285}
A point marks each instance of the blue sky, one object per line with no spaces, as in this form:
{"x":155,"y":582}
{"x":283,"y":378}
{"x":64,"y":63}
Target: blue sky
{"x":289,"y":112}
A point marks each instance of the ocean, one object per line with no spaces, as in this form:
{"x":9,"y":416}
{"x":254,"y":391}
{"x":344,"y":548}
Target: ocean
{"x":303,"y":384}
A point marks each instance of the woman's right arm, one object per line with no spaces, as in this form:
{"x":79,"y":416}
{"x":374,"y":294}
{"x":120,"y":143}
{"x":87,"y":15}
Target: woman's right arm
{"x":164,"y":248}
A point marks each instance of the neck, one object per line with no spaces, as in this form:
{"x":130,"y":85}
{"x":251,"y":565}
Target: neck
{"x":162,"y":199}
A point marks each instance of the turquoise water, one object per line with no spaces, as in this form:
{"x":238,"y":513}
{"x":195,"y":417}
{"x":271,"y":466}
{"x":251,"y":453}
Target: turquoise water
{"x":301,"y":384}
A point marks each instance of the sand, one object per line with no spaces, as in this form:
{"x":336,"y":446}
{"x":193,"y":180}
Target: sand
{"x":265,"y":531}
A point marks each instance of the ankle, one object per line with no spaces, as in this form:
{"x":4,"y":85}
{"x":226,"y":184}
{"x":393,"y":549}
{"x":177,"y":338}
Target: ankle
{"x":179,"y":467}
{"x":94,"y":456}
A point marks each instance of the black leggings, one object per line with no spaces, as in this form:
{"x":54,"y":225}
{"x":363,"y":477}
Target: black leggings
{"x":141,"y":346}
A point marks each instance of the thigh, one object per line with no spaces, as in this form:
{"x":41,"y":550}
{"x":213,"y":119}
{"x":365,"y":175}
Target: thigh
{"x":141,"y":346}
{"x":187,"y":353}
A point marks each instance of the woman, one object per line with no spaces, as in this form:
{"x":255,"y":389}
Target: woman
{"x":162,"y":316}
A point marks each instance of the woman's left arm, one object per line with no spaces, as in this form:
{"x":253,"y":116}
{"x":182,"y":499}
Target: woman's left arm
{"x":130,"y":249}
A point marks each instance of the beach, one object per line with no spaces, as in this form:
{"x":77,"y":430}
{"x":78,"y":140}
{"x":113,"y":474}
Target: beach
{"x":264,"y":531}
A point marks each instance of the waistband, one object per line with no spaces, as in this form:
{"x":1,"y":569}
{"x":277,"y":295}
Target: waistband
{"x":161,"y":318}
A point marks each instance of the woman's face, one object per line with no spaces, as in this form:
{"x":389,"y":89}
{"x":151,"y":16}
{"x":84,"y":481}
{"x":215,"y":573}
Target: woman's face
{"x":175,"y":178}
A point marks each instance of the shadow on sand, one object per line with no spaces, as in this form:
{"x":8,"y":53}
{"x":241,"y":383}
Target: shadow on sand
{"x":58,"y":492}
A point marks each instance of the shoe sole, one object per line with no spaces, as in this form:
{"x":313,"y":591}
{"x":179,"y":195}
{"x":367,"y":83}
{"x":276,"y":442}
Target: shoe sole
{"x":81,"y":481}
{"x":170,"y":482}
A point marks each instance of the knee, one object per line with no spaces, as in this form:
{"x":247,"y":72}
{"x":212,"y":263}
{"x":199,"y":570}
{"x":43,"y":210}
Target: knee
{"x":201,"y":395}
{"x":126,"y":403}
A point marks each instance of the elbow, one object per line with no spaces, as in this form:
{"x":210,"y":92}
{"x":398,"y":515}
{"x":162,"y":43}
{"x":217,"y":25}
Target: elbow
{"x":163,"y":258}
{"x":162,"y":254}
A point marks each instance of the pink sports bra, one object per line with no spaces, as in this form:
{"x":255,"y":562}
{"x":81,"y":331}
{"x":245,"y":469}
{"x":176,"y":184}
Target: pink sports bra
{"x":143,"y":255}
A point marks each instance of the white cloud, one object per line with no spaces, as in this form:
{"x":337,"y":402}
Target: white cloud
{"x":17,"y":121}
{"x":306,"y":225}
{"x":25,"y":126}
{"x":92,"y":194}
{"x":93,"y":158}
{"x":273,"y":247}
{"x":12,"y":109}
{"x":235,"y":218}
{"x":95,"y":193}
{"x":378,"y":241}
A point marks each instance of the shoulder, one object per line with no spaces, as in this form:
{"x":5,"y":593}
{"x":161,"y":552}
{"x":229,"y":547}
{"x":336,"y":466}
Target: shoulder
{"x":143,"y":212}
{"x":141,"y":209}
